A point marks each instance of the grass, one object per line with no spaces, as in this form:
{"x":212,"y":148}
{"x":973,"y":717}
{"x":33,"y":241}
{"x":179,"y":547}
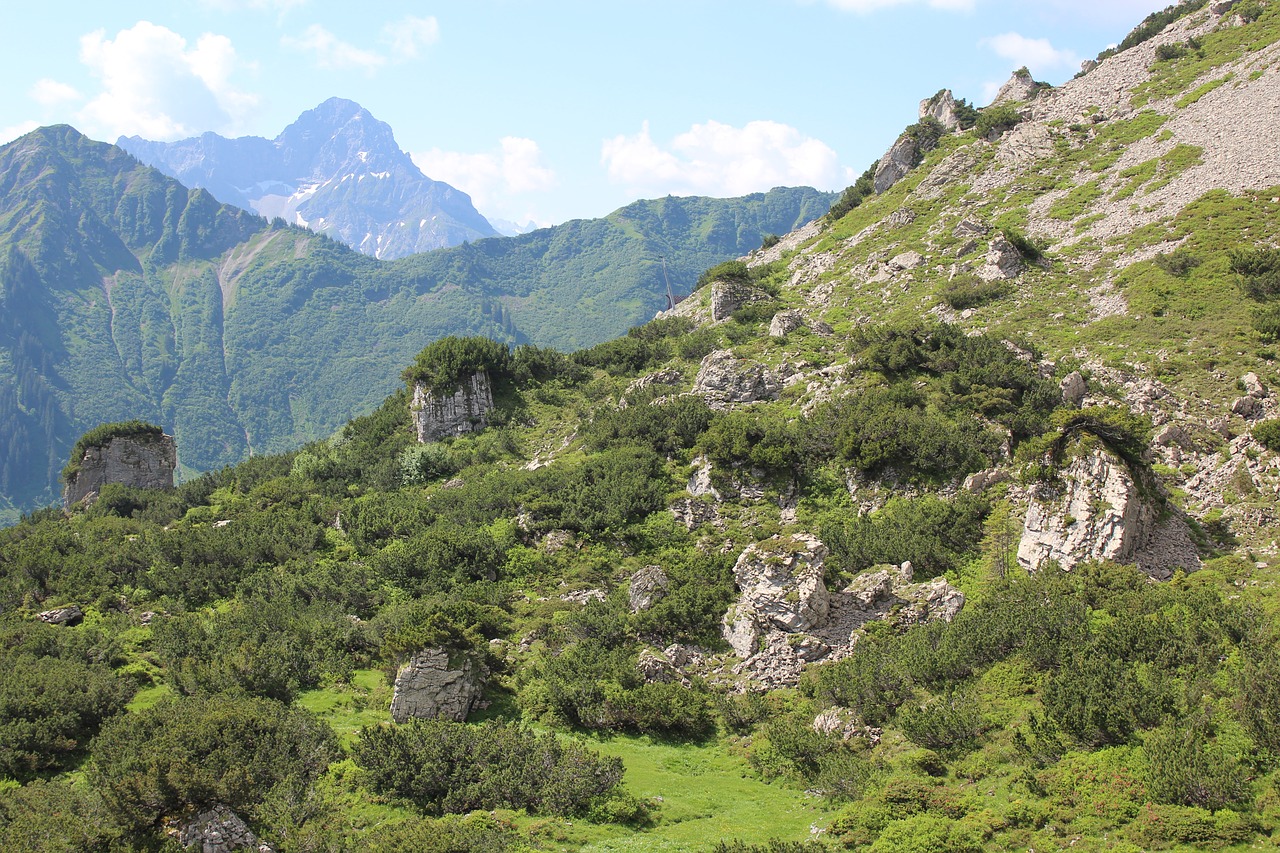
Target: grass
{"x":348,"y":708}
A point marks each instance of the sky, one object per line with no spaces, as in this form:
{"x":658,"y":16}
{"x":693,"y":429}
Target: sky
{"x":549,"y":110}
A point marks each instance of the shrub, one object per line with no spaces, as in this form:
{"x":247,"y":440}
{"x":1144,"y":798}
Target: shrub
{"x":855,"y":194}
{"x":996,"y":120}
{"x":1178,"y":262}
{"x":734,"y":271}
{"x":969,"y":292}
{"x":768,"y":241}
{"x":1154,"y":24}
{"x":1187,"y":765}
{"x":1029,"y":250}
{"x":936,"y":535}
{"x":1160,"y":825}
{"x":1249,"y":10}
{"x":1258,"y":271}
{"x":1267,"y":433}
{"x":1166,"y":52}
{"x":948,"y":724}
{"x":442,"y":366}
{"x":444,"y":767}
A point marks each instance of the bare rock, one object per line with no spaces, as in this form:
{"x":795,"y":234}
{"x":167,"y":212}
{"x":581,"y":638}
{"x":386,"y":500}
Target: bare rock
{"x":869,"y":589}
{"x":1018,"y":88}
{"x":971,"y":228}
{"x":724,"y":379}
{"x":218,"y":829}
{"x":138,"y":461}
{"x":661,"y":378}
{"x":648,"y":586}
{"x":1074,"y":389}
{"x":982,"y":480}
{"x":942,"y":109}
{"x":584,"y":596}
{"x":692,"y":513}
{"x":68,"y":616}
{"x":729,"y":296}
{"x":929,"y":601}
{"x":896,"y":162}
{"x":782,"y":589}
{"x":1247,"y":407}
{"x":1174,"y":435}
{"x":1003,"y":261}
{"x":440,"y":414}
{"x":906,"y":261}
{"x":1097,"y":513}
{"x":785,"y":322}
{"x":1253,"y":386}
{"x":435,"y":684}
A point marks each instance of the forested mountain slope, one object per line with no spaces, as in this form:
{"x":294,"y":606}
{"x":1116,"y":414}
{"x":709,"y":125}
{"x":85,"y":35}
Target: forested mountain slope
{"x":945,"y":524}
{"x":129,"y":296}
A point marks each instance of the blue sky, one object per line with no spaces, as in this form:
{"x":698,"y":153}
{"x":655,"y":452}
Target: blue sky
{"x":555,"y":109}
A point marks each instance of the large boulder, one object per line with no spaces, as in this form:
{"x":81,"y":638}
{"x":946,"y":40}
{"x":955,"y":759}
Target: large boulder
{"x":648,"y":586}
{"x":1094,"y":511}
{"x":1003,"y":261}
{"x":439,"y":415}
{"x":782,"y":589}
{"x":729,"y":296}
{"x":724,"y":379}
{"x":143,"y":461}
{"x":435,"y":683}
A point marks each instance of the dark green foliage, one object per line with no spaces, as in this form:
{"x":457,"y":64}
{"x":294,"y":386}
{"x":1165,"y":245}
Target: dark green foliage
{"x":768,"y":241}
{"x":1249,"y":10}
{"x":761,"y":438}
{"x":1177,"y":263}
{"x":969,"y":292}
{"x":996,"y":120}
{"x":1154,"y":24}
{"x":475,"y":833}
{"x":223,"y":749}
{"x":53,"y":698}
{"x":442,"y":366}
{"x":730,"y":271}
{"x":667,"y":427}
{"x":55,"y":817}
{"x":820,"y":760}
{"x":102,"y":435}
{"x":1159,"y":826}
{"x":927,"y":133}
{"x":540,"y":364}
{"x":1267,"y":433}
{"x":1259,"y":272}
{"x":1259,"y":691}
{"x":936,"y":535}
{"x":444,"y":767}
{"x":1172,"y":50}
{"x":1188,"y":766}
{"x":1026,"y":247}
{"x":625,"y":356}
{"x":854,"y":195}
{"x":1124,"y":433}
{"x":608,"y":491}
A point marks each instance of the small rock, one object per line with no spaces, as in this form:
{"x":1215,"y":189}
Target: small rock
{"x":785,"y":322}
{"x":68,"y":616}
{"x":1253,"y":386}
{"x":648,"y":587}
{"x":1003,"y":261}
{"x":906,"y":261}
{"x":1074,"y":389}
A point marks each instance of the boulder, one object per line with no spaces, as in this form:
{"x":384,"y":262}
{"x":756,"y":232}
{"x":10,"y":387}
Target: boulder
{"x":1247,"y":407}
{"x":1003,"y":261}
{"x":729,"y":296}
{"x":982,"y":480}
{"x":929,"y":601}
{"x":785,"y":322}
{"x":137,"y":461}
{"x":942,"y":109}
{"x":438,"y":415}
{"x":901,"y":158}
{"x":435,"y":683}
{"x":648,"y":586}
{"x":1253,"y":386}
{"x":906,"y":261}
{"x":67,"y":616}
{"x":782,"y":589}
{"x":1097,"y":512}
{"x":217,"y":829}
{"x":1074,"y":389}
{"x":724,"y":379}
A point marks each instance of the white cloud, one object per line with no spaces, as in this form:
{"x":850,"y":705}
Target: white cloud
{"x":153,"y":84}
{"x":863,"y":7}
{"x":51,"y":93}
{"x":409,"y":36}
{"x":722,"y":160}
{"x":332,"y":53}
{"x":1038,"y":55}
{"x":493,"y":178}
{"x":12,"y":132}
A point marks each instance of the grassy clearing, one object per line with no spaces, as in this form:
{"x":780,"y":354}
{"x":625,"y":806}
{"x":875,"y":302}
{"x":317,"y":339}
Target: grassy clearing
{"x":348,"y":708}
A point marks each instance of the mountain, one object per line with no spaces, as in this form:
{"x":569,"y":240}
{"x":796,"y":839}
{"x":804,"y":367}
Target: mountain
{"x":336,"y":170}
{"x":947,"y":522}
{"x":507,"y":228}
{"x":127,"y":296}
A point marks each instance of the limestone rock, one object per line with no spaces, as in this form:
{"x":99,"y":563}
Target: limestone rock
{"x":218,"y":829}
{"x":137,"y":461}
{"x":931,"y":600}
{"x":906,"y":261}
{"x":692,"y":513}
{"x":982,"y":480}
{"x":845,"y":724}
{"x":662,"y":378}
{"x":971,"y":228}
{"x":942,"y":109}
{"x":785,"y":322}
{"x":729,"y":296}
{"x":724,"y":379}
{"x":870,"y":588}
{"x":437,"y":416}
{"x":896,"y":162}
{"x":1096,"y":514}
{"x":1003,"y":261}
{"x":1019,"y":87}
{"x":1247,"y":407}
{"x":648,"y":587}
{"x":432,"y":685}
{"x":68,"y":616}
{"x":1253,"y":386}
{"x":1074,"y":389}
{"x":782,"y":589}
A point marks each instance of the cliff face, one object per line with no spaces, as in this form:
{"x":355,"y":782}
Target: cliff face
{"x":437,"y":416}
{"x":141,"y":462}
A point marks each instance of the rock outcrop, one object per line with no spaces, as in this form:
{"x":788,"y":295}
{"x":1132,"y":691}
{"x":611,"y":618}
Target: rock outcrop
{"x":648,"y":587}
{"x":437,"y":416}
{"x":942,"y":108}
{"x":901,"y":158}
{"x":729,"y":296}
{"x":218,"y":829}
{"x":139,"y":461}
{"x":436,"y":684}
{"x":1019,"y":87}
{"x":782,"y":587}
{"x":785,"y":322}
{"x":69,"y":616}
{"x":724,"y":379}
{"x":1003,"y":261}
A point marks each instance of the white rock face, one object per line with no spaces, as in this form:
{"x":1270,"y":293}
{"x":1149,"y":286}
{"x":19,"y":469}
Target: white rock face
{"x":648,"y":586}
{"x":1019,"y":87}
{"x":724,"y":379}
{"x":782,"y":588}
{"x":728,"y":296}
{"x":1098,"y":514}
{"x":942,"y":109}
{"x":437,"y":416}
{"x":896,"y":162}
{"x":431,"y":686}
{"x":1003,"y":261}
{"x":137,"y":461}
{"x":785,"y":322}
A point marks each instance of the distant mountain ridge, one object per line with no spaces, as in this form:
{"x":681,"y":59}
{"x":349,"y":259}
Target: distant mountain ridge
{"x":336,"y":170}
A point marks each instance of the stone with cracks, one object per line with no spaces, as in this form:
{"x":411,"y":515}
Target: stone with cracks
{"x":648,"y":587}
{"x":217,"y":829}
{"x":440,"y":415}
{"x":436,"y":684}
{"x":896,"y":162}
{"x":782,"y":589}
{"x":724,"y":379}
{"x":136,"y":461}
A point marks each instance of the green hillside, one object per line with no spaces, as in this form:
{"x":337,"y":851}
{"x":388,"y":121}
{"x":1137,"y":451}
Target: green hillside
{"x":128,"y":296}
{"x":946,"y":523}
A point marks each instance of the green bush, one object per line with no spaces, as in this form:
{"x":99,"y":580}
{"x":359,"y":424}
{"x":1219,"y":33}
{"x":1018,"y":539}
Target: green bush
{"x":441,"y":366}
{"x":1258,"y":271}
{"x":1025,"y":246}
{"x":936,"y":535}
{"x":730,"y":271}
{"x":854,"y":195}
{"x":1160,"y":825}
{"x":1154,"y":24}
{"x":1267,"y":433}
{"x":1187,"y":765}
{"x":969,"y":292}
{"x":444,"y":767}
{"x":996,"y":120}
{"x":948,"y":724}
